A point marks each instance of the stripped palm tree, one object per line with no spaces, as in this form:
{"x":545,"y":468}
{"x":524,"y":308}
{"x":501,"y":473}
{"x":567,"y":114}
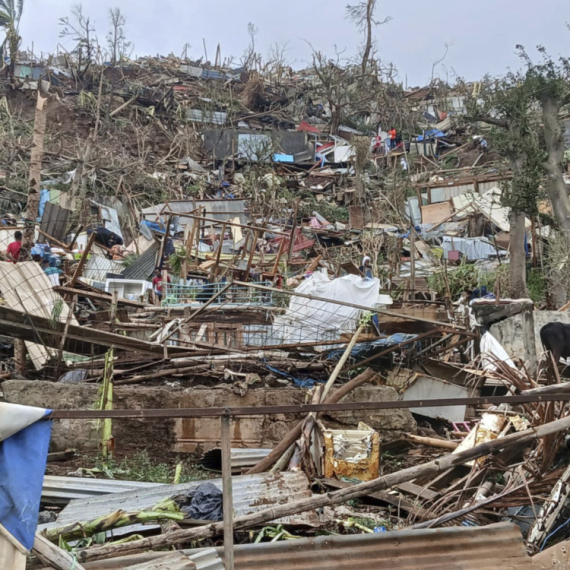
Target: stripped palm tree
{"x":10,"y":14}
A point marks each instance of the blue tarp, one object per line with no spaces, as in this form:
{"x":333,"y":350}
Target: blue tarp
{"x":283,"y":158}
{"x":23,"y":458}
{"x":155,"y":226}
{"x":299,"y":382}
{"x":364,"y":350}
{"x":433,"y":134}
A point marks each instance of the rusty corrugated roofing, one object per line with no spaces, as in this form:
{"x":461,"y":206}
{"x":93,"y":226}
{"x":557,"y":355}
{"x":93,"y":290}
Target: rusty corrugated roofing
{"x":491,"y":547}
{"x":251,"y":493}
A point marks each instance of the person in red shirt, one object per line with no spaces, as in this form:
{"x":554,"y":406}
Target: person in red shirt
{"x":157,"y":283}
{"x":13,"y":251}
{"x":392,"y":134}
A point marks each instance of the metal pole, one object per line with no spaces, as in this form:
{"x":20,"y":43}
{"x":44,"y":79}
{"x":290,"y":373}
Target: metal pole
{"x":227,"y":491}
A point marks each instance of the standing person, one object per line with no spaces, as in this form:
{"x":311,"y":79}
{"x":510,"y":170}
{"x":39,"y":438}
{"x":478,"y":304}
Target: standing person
{"x":157,"y":283}
{"x":392,"y":133}
{"x":51,"y":271}
{"x":13,"y":251}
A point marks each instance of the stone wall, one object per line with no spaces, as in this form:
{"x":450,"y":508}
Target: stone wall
{"x":199,"y":434}
{"x":521,"y":337}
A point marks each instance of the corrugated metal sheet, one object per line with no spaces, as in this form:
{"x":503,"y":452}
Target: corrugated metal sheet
{"x":251,"y":493}
{"x":222,"y":210}
{"x":98,"y":266}
{"x":457,"y":548}
{"x":207,"y":559}
{"x":145,"y":264}
{"x":54,"y":221}
{"x":493,"y":547}
{"x":241,"y":458}
{"x":61,"y":490}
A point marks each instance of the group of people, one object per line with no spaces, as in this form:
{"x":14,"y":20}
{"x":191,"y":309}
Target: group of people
{"x":389,"y":143}
{"x":48,"y":262}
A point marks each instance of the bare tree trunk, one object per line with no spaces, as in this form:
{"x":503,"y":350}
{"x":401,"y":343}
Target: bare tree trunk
{"x":32,"y":209}
{"x":557,"y":191}
{"x":555,"y":148}
{"x":517,"y":261}
{"x":368,"y":46}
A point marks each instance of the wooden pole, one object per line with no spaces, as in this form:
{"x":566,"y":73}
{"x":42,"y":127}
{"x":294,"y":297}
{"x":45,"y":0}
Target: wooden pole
{"x":36,"y":156}
{"x":228,"y":503}
{"x":294,"y":227}
{"x":278,"y":258}
{"x":53,"y":556}
{"x":59,"y":357}
{"x":83,"y":260}
{"x":413,"y":261}
{"x":219,"y":251}
{"x":251,"y":254}
{"x":341,"y":496}
{"x":294,"y":434}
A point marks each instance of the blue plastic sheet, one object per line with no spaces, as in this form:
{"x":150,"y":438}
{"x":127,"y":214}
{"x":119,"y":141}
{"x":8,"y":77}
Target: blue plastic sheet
{"x":299,"y":382}
{"x":23,"y":459}
{"x":364,"y":350}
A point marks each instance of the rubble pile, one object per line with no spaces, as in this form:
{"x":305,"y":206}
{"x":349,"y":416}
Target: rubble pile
{"x":305,"y":279}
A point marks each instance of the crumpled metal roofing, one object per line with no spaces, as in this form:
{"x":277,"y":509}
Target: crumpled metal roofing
{"x":61,"y":490}
{"x":492,"y":547}
{"x":251,"y":493}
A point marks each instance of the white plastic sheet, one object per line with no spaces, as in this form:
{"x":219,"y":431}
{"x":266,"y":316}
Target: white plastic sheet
{"x":491,"y":351}
{"x":309,"y":320}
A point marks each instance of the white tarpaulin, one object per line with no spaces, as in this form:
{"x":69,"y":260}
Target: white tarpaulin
{"x":310,"y":320}
{"x":491,"y":351}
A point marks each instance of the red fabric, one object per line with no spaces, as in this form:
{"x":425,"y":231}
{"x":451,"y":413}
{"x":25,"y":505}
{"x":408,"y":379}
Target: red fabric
{"x":14,"y":250}
{"x":392,"y":134}
{"x":307,"y":128}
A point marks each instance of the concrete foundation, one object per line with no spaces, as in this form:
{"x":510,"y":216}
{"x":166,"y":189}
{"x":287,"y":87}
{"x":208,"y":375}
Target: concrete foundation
{"x":200,"y":434}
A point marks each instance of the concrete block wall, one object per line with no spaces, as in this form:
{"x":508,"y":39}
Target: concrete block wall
{"x":194,"y":435}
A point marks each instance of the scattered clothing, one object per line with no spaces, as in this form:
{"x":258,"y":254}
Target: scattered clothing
{"x":206,"y":504}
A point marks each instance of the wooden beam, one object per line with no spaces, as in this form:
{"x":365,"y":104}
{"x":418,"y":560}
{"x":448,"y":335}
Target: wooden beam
{"x":83,"y":260}
{"x":98,"y":296}
{"x":228,"y":503}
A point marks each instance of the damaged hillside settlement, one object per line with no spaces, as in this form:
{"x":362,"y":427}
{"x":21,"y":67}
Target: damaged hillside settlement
{"x":254,"y":316}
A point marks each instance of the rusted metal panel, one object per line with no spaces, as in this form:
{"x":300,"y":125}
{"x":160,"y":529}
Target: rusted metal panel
{"x":251,"y":493}
{"x":492,"y":547}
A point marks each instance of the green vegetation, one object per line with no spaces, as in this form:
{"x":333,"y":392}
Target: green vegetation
{"x":140,"y":467}
{"x":467,"y":277}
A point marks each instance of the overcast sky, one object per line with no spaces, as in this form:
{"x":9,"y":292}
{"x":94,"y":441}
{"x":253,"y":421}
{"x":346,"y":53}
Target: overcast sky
{"x":482,"y":34}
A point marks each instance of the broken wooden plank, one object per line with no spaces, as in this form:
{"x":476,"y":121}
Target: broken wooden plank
{"x":395,"y":500}
{"x":53,"y":556}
